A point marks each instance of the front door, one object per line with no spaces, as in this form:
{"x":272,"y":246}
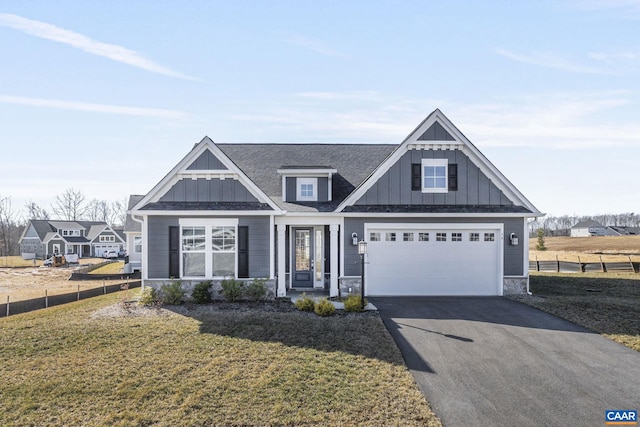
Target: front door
{"x":303,"y":258}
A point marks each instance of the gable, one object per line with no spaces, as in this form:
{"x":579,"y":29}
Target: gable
{"x":207,"y":161}
{"x":436,"y":133}
{"x":208,"y":190}
{"x":479,"y":186}
{"x":205,"y":180}
{"x":394,"y":187}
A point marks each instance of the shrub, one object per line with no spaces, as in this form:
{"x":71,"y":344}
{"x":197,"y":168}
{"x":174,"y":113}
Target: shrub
{"x":353,"y":303}
{"x":257,"y":290}
{"x":232,"y":289}
{"x":202,"y":293}
{"x":325,"y":308}
{"x":172,"y":294}
{"x":149,"y":297}
{"x":305,"y":303}
{"x":540,"y":246}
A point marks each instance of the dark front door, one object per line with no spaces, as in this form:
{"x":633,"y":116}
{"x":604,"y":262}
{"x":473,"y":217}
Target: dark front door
{"x":303,"y":257}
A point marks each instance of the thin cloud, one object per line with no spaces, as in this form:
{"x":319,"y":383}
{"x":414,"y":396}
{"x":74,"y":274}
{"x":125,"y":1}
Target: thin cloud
{"x":82,"y":42}
{"x":94,"y":108}
{"x":550,"y":61}
{"x":314,"y":45}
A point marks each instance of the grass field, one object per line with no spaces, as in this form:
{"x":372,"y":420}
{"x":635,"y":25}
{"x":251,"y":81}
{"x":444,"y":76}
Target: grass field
{"x":589,"y":249}
{"x":111,"y":268}
{"x":65,"y":366}
{"x":605,"y":303}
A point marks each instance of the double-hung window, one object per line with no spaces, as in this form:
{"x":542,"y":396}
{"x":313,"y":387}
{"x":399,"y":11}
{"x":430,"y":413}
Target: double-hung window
{"x":434,"y":175}
{"x":208,"y":248}
{"x":307,"y":189}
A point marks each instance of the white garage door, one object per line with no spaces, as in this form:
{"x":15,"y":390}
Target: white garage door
{"x":101,"y":249}
{"x":427,"y":259}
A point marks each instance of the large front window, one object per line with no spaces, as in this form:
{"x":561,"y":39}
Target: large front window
{"x":208,"y":248}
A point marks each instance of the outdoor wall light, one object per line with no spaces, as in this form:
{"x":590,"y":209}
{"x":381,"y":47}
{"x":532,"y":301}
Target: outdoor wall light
{"x":513,"y":239}
{"x":354,"y":239}
{"x":362,"y":247}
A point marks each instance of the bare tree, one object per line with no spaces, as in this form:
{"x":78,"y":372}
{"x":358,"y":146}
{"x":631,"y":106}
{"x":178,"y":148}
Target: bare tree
{"x":7,"y":227}
{"x":98,"y":210}
{"x":70,"y":205}
{"x":118,"y":212}
{"x":34,"y":211}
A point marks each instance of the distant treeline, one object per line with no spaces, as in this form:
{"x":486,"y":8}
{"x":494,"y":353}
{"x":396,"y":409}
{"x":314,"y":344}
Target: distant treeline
{"x":561,"y":225}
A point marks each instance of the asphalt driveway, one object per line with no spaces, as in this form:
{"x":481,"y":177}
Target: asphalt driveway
{"x":490,"y":361}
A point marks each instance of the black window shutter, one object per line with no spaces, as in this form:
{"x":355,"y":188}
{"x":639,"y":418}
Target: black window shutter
{"x":174,"y":251}
{"x":453,"y":177}
{"x":243,"y":251}
{"x":416,"y":177}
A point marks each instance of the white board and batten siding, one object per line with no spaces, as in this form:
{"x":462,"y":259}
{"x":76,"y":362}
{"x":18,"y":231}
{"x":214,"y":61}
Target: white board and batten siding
{"x":434,"y":259}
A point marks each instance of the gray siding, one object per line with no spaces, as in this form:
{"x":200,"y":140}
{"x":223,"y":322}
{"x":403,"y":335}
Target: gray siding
{"x":31,"y":232}
{"x":203,"y":190}
{"x":158,"y":245}
{"x":436,"y":133}
{"x":394,"y":187}
{"x":513,"y":255}
{"x":207,"y":161}
{"x":290,"y":189}
{"x":259,"y":248}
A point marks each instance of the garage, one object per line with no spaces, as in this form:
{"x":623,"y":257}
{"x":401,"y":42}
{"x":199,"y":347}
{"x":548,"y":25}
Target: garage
{"x":101,"y":249}
{"x":434,"y":259}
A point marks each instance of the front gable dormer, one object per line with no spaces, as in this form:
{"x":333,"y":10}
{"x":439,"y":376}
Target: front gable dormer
{"x":307,"y":184}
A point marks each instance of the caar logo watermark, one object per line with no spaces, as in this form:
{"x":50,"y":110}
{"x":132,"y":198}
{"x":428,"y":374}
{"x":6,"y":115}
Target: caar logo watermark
{"x":620,"y":417}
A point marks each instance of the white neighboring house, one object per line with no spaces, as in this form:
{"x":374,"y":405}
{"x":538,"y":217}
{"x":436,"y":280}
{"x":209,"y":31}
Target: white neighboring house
{"x":133,"y":233}
{"x":588,"y":229}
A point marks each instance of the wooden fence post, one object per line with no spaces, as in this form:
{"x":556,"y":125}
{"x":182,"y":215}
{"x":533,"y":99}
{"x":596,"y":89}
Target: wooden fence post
{"x":604,"y":270}
{"x":46,"y":299}
{"x":7,"y":305}
{"x":104,"y":288}
{"x":557,"y":264}
{"x":631,"y":263}
{"x":78,"y":292}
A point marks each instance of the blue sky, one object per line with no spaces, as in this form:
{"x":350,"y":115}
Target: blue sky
{"x":106,"y":97}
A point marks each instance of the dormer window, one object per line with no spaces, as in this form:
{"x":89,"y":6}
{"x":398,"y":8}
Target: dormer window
{"x":306,"y":183}
{"x":307,"y":189}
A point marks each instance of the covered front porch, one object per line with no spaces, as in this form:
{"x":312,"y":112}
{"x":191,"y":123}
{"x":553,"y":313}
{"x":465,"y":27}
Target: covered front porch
{"x":307,"y":255}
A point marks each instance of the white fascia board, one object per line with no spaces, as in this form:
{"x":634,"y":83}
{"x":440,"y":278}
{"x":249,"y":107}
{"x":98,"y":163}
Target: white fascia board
{"x":180,"y":169}
{"x":307,"y":172}
{"x":308,"y":220}
{"x":436,"y":215}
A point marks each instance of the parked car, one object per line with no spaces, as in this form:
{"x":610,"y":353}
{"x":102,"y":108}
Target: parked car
{"x":122,"y":253}
{"x":110,"y":254}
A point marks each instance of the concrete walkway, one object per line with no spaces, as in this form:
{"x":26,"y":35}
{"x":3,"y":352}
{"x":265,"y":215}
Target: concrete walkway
{"x":495,"y":362}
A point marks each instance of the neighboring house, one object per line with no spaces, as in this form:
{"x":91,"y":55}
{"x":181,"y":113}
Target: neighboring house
{"x":587,"y":229}
{"x":623,"y":231}
{"x":133,"y":233}
{"x":84,"y":238}
{"x":438,"y":217}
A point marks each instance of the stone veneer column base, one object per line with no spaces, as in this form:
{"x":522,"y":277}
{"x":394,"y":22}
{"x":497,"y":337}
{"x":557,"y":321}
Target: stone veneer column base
{"x":514,"y":285}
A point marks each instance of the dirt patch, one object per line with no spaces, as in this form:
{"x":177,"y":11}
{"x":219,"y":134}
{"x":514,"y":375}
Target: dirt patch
{"x":21,"y":284}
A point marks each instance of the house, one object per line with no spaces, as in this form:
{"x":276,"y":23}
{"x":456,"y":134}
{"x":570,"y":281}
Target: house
{"x":84,"y":238}
{"x":438,"y":217}
{"x":588,"y":228}
{"x":133,"y":233}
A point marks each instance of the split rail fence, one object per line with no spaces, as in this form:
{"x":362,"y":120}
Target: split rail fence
{"x":8,"y":308}
{"x":557,"y":266}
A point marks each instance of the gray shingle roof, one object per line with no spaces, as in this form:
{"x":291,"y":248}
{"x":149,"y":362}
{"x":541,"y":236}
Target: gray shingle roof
{"x":354,"y":163}
{"x":130,"y":225}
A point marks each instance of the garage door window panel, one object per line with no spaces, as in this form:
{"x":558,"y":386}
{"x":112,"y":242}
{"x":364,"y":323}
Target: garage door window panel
{"x":423,"y":237}
{"x":474,"y":237}
{"x":441,"y":237}
{"x":489,"y":237}
{"x":374,"y":237}
{"x":456,"y":237}
{"x":390,"y":237}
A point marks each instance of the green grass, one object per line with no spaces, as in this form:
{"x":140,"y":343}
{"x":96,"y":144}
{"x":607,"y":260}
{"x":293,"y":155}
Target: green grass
{"x":605,"y":303}
{"x":205,"y":366}
{"x":111,"y":268}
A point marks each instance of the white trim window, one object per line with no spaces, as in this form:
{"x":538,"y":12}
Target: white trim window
{"x":107,"y":239}
{"x":435,"y":175}
{"x":208,"y":248}
{"x":307,"y":189}
{"x":137,"y":244}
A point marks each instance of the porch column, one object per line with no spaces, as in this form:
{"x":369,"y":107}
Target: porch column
{"x":282,"y":284}
{"x":333,"y":277}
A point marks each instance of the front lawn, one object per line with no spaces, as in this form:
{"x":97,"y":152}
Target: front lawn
{"x":205,"y":366}
{"x":607,"y":303}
